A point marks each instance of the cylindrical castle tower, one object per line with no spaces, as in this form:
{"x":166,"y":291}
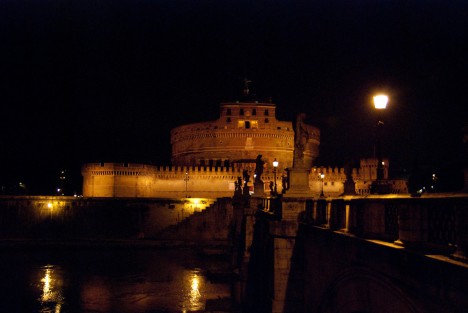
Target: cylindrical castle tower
{"x":243,"y":131}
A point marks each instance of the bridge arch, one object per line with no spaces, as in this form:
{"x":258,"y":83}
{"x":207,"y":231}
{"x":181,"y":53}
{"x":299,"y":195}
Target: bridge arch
{"x":360,"y":290}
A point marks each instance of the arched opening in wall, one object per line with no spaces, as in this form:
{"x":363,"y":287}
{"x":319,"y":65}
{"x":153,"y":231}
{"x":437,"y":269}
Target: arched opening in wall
{"x":375,"y":294}
{"x":210,"y":163}
{"x":202,"y":162}
{"x":226,"y":163}
{"x":218,"y":163}
{"x":247,"y":124}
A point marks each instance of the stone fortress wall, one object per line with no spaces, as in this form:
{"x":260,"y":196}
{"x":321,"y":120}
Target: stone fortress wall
{"x":146,"y":181}
{"x":208,"y":158}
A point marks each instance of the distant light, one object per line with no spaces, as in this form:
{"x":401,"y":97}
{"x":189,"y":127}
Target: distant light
{"x":49,"y":205}
{"x":380,"y":102}
{"x":275,"y":163}
{"x":322,"y":176}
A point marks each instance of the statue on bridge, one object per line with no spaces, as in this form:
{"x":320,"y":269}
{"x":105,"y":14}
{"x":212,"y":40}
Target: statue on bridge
{"x":259,"y":163}
{"x":306,"y":142}
{"x":304,"y":137}
{"x":238,"y":186}
{"x":246,"y":178}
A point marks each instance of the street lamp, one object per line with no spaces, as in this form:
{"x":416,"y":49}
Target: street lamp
{"x":186,"y":179}
{"x":275,"y":165}
{"x":379,"y":186}
{"x":322,"y":176}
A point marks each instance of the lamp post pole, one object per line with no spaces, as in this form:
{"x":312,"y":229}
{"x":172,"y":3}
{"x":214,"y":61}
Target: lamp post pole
{"x":322,"y":176}
{"x":379,"y":186}
{"x":275,"y":165}
{"x":186,"y":179}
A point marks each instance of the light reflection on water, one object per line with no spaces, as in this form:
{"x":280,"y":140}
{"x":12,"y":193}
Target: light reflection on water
{"x":193,"y":301}
{"x":51,"y":298}
{"x":107,"y":282}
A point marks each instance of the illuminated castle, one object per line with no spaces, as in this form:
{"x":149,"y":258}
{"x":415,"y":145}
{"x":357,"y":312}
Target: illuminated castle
{"x":208,"y":158}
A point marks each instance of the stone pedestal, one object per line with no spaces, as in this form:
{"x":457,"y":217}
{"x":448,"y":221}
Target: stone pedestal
{"x":288,"y":277}
{"x":349,"y":187}
{"x":298,"y":183}
{"x":259,"y":189}
{"x":380,"y":187}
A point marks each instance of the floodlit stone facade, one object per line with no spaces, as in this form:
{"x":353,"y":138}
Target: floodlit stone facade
{"x":209,"y":157}
{"x":243,"y":130}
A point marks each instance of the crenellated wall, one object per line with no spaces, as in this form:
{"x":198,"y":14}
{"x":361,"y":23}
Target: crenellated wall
{"x":148,"y":181}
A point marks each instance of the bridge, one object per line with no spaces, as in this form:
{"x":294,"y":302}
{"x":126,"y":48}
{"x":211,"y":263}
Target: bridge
{"x":386,"y":253}
{"x":389,"y":253}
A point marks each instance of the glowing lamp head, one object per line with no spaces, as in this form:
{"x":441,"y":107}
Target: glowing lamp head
{"x":275,"y":163}
{"x":322,"y":176}
{"x":380,"y":102}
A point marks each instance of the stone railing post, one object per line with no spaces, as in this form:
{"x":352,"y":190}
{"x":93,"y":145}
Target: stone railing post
{"x":461,"y":229}
{"x":412,"y":224}
{"x":366,"y":218}
{"x":337,"y":214}
{"x":284,"y":233}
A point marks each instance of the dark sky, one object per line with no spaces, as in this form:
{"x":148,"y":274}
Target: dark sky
{"x":91,"y":81}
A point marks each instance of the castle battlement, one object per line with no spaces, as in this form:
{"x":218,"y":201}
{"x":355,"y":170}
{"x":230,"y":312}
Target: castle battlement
{"x":327,"y":170}
{"x":129,"y":169}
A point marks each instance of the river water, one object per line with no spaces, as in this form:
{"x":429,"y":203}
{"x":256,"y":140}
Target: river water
{"x":108,"y":280}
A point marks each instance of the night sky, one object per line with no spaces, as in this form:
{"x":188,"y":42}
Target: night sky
{"x":105,"y":81}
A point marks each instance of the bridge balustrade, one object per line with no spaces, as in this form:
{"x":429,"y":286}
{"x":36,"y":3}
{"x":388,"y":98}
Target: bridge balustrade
{"x":338,"y":215}
{"x":321,"y":217}
{"x":431,"y":224}
{"x":272,"y":205}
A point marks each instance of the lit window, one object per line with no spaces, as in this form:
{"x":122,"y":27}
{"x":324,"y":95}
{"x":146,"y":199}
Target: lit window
{"x":254,"y":124}
{"x":240,"y":124}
